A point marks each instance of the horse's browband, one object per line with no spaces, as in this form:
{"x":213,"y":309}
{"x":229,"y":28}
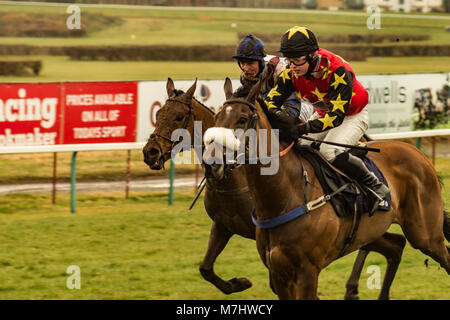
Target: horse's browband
{"x":247,"y":103}
{"x":190,"y":105}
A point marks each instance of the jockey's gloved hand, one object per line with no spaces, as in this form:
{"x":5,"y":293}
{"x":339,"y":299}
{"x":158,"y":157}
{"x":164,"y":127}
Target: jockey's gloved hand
{"x":281,"y":119}
{"x":298,"y":130}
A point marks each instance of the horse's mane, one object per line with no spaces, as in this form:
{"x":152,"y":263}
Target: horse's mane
{"x":204,"y":106}
{"x":262,"y":104}
{"x":441,"y":181}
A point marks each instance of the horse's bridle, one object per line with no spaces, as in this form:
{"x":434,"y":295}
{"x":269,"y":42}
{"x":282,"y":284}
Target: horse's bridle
{"x":254,"y":119}
{"x":185,"y":125}
{"x":252,"y":125}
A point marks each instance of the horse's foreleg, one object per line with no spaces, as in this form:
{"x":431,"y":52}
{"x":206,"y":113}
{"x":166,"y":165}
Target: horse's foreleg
{"x":391,"y":246}
{"x":352,"y":282}
{"x":218,"y":239}
{"x":307,"y":282}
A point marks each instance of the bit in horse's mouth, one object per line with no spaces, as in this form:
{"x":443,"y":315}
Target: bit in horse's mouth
{"x":158,"y":164}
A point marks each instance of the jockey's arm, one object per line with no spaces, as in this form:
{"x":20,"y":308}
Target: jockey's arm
{"x":280,"y":92}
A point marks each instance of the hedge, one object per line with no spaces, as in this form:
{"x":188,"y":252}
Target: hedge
{"x":20,"y":68}
{"x":346,"y":38}
{"x":214,"y":53}
{"x":224,"y":53}
{"x":155,"y":53}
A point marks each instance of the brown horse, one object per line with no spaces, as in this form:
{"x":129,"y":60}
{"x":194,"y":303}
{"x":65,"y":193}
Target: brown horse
{"x":228,"y":204}
{"x":295,"y":252}
{"x":179,"y":111}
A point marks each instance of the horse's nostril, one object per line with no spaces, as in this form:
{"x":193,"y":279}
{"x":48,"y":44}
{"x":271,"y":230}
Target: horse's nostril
{"x":153,"y":152}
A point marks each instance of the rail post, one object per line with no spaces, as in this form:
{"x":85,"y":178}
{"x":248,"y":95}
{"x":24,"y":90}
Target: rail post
{"x":73,"y":179}
{"x":171,"y":178}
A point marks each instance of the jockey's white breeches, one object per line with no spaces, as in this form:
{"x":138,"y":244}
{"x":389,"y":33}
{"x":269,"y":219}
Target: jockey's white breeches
{"x":349,"y":132}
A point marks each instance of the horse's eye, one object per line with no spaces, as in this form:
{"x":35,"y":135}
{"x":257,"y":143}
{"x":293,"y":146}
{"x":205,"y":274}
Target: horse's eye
{"x":179,"y":117}
{"x":243,"y":120}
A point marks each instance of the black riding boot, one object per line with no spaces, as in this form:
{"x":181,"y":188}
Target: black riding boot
{"x":355,"y":168}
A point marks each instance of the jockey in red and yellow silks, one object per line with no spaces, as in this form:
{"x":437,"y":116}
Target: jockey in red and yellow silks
{"x":335,"y":94}
{"x":339,"y":100}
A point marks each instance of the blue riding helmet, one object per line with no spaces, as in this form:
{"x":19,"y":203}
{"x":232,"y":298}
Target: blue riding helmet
{"x":250,"y":48}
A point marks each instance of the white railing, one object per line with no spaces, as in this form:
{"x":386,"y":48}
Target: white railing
{"x":410,"y":134}
{"x":73,"y":147}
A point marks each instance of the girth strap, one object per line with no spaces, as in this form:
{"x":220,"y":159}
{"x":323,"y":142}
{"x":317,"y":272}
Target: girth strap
{"x":297,"y":212}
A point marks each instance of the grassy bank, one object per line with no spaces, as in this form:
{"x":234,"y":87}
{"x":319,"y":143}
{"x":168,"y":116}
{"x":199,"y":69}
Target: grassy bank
{"x":64,"y":69}
{"x":162,"y":26}
{"x":144,"y":249}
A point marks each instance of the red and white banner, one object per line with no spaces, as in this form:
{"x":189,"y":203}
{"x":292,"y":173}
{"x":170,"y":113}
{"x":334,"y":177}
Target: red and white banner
{"x":153,"y":95}
{"x":30,"y":114}
{"x":100,"y":112}
{"x":44,"y":114}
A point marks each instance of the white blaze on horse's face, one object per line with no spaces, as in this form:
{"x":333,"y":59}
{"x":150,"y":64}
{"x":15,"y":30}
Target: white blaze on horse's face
{"x":222,"y":136}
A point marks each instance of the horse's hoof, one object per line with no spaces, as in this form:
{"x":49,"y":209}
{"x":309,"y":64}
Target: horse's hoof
{"x":239,"y":284}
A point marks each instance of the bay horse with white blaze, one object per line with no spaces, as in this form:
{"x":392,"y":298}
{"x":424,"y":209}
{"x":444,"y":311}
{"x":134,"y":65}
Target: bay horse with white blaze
{"x":295,"y":252}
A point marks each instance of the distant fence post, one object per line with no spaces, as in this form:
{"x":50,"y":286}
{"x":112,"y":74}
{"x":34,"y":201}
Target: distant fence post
{"x":73,"y":179}
{"x":127,"y":175}
{"x":172,"y":176}
{"x":418,"y":142}
{"x":54,"y":178}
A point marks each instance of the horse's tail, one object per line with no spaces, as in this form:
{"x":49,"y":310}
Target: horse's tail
{"x":447,"y":225}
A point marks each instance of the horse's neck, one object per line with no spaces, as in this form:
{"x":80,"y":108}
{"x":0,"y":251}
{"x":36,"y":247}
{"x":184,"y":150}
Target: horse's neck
{"x":203,"y":114}
{"x":234,"y":181}
{"x":206,"y":116}
{"x":281,"y":191}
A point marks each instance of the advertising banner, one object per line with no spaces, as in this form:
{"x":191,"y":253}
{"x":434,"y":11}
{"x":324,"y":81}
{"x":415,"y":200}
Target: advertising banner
{"x":100,"y":112}
{"x":407,"y":102}
{"x":30,"y":114}
{"x":44,"y":114}
{"x":153,"y":95}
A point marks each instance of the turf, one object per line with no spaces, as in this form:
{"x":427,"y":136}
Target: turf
{"x":142,"y":248}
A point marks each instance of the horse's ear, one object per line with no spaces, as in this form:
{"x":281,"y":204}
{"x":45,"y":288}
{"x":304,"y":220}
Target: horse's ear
{"x":170,"y":87}
{"x":254,"y":92}
{"x":228,"y":87}
{"x":190,"y":93}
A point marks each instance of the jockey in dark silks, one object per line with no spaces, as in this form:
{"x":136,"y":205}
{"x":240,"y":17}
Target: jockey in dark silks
{"x":339,"y":100}
{"x":257,"y":65}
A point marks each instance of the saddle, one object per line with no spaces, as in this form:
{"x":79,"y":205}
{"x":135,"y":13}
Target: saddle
{"x":355,"y":199}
